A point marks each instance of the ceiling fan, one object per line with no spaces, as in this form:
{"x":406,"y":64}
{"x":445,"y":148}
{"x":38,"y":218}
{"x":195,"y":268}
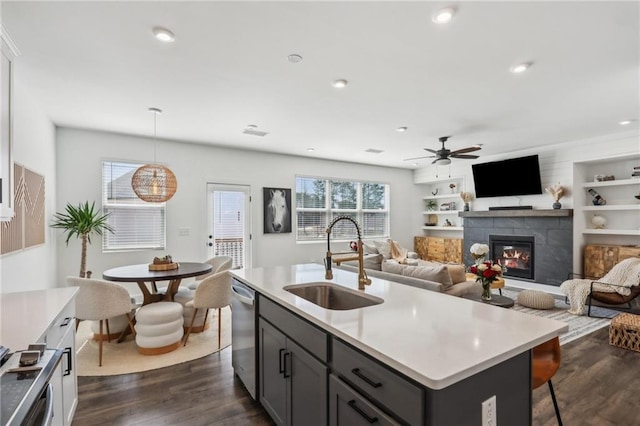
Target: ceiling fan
{"x":443,"y":156}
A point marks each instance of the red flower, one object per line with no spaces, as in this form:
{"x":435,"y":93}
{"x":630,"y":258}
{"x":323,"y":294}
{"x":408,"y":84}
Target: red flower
{"x":473,"y":269}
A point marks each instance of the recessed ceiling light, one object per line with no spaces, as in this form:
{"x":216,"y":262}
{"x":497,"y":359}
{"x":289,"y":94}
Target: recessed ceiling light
{"x":339,"y":84}
{"x":294,"y":58}
{"x":311,"y":149}
{"x":415,"y":164}
{"x":625,"y":122}
{"x":520,"y":68}
{"x":252,"y":126}
{"x":443,"y":16}
{"x":401,"y":129}
{"x":163,"y":35}
{"x":374,"y":151}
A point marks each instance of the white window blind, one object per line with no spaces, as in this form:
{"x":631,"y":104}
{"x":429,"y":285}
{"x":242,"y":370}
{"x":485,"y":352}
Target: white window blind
{"x":319,"y":201}
{"x":136,"y":224}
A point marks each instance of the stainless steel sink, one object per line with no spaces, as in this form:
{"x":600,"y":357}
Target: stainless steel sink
{"x":331,"y":296}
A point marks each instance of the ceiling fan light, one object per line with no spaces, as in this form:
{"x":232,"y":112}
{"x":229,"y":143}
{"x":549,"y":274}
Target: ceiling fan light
{"x":443,"y":161}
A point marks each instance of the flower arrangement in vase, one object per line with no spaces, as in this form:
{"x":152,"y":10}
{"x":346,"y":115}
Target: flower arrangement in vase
{"x":486,"y":273}
{"x":479,"y":252}
{"x":556,"y":192}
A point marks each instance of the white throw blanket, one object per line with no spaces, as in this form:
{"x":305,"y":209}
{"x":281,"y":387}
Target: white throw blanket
{"x":624,"y":275}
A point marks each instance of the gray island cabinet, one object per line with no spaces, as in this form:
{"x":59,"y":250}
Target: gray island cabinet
{"x":418,"y":358}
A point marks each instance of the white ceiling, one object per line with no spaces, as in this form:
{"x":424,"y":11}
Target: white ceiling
{"x":96,"y":65}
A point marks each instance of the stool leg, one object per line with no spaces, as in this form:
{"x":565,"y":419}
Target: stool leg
{"x":555,"y":403}
{"x":219,"y":325}
{"x":100,"y":347}
{"x":500,"y":291}
{"x":77,"y":323}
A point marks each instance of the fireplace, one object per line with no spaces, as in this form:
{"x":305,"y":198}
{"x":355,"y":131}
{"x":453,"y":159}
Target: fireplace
{"x":514,"y":253}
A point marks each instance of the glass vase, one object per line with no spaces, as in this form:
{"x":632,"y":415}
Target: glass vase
{"x":486,"y":291}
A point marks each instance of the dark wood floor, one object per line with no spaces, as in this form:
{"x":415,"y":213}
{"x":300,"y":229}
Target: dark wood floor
{"x":597,"y":384}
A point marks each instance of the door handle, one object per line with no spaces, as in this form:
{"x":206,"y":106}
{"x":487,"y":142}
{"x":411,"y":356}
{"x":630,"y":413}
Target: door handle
{"x":280,"y":363}
{"x":358,"y":410}
{"x":210,"y":244}
{"x":69,"y":368}
{"x":287,"y":355}
{"x":370,"y":382}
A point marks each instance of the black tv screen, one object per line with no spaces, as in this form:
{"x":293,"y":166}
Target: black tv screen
{"x":516,"y":176}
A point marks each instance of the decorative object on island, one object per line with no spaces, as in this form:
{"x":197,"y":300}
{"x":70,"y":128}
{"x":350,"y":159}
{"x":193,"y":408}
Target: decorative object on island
{"x":430,"y":204}
{"x":598,"y":221}
{"x":277,"y":210}
{"x":486,"y":273}
{"x":154,"y":183}
{"x":597,"y":199}
{"x":466,"y":197}
{"x":163,"y":264}
{"x":556,"y":192}
{"x":82,"y":221}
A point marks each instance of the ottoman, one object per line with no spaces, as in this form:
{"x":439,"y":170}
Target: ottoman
{"x":159,"y":328}
{"x":199,"y":324}
{"x":624,"y":332}
{"x":536,"y":299}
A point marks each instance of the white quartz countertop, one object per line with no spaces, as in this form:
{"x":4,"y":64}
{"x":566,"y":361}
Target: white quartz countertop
{"x":434,"y":338}
{"x":26,"y":316}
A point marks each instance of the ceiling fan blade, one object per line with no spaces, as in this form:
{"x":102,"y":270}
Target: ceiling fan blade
{"x":464,"y":156}
{"x":465,"y":150}
{"x":418,"y":158}
{"x":431,"y":150}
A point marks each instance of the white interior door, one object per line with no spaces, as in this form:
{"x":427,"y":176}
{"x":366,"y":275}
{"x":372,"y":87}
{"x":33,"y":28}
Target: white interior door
{"x":228,"y":217}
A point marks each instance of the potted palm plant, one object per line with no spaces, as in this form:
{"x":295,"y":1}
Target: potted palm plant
{"x":81,"y":221}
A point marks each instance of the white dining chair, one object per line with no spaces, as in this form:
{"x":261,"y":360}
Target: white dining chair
{"x":99,"y":300}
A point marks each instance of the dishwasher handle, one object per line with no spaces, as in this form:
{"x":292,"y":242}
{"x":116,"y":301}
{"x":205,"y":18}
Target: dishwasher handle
{"x":243,"y":294}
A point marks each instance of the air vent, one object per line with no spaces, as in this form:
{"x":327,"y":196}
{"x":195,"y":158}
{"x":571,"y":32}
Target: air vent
{"x":374,"y":151}
{"x":254,"y":132}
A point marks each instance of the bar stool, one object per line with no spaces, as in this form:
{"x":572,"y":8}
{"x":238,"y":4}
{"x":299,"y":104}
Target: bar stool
{"x":545,"y":361}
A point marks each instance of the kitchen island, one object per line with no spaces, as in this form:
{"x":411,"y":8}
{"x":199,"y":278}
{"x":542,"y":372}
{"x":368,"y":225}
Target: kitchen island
{"x":457,"y":352}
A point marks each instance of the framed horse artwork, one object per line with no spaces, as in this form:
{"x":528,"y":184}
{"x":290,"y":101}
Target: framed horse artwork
{"x":277,"y":210}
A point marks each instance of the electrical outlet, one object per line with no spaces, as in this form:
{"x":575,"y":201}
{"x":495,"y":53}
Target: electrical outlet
{"x":489,"y":412}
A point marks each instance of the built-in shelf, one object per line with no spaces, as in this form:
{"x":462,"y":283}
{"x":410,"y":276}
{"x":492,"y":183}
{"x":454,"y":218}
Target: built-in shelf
{"x":443,"y":228}
{"x":441,"y":212}
{"x":438,"y":196}
{"x":612,"y":231}
{"x":616,"y":182}
{"x":518,"y":213}
{"x":612,"y":207}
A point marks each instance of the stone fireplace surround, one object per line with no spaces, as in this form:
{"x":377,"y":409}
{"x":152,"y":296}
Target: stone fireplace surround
{"x":552,"y":231}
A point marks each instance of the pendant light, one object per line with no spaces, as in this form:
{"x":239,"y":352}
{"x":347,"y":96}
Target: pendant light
{"x":154,"y":183}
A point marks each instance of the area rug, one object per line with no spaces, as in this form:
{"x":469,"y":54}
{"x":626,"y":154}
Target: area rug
{"x":123,"y":358}
{"x":579,"y":326}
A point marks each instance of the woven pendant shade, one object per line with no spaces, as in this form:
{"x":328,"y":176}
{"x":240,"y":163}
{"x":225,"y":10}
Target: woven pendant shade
{"x":154,"y":183}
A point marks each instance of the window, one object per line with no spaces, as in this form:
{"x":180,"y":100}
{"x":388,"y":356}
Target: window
{"x":319,"y":201}
{"x":136,"y":224}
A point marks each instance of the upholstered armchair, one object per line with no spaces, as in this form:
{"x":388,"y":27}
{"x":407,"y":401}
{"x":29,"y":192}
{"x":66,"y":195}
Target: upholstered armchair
{"x":214,"y":292}
{"x":218,"y":264}
{"x":99,"y":300}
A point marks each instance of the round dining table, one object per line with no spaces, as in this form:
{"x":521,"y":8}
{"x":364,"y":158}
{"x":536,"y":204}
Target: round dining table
{"x":142,"y":275}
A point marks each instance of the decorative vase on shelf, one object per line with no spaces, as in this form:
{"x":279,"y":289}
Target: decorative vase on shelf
{"x":466,"y":207}
{"x":557,"y":205}
{"x":598,"y":221}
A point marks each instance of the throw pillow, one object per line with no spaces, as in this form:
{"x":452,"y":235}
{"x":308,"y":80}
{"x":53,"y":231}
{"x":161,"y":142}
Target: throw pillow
{"x":369,"y":249}
{"x":384,"y":248}
{"x":439,"y":274}
{"x":457,"y":273}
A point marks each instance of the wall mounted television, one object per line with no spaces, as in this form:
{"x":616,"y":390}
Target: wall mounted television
{"x":515,"y":176}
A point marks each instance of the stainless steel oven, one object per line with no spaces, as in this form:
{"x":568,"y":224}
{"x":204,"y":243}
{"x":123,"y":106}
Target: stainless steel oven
{"x":26,"y":392}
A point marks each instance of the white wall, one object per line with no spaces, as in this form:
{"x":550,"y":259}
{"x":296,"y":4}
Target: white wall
{"x":80,"y":153}
{"x":34,"y":148}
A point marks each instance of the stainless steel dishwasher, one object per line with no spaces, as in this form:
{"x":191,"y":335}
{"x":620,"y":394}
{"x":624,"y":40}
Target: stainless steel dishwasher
{"x":243,"y":335}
